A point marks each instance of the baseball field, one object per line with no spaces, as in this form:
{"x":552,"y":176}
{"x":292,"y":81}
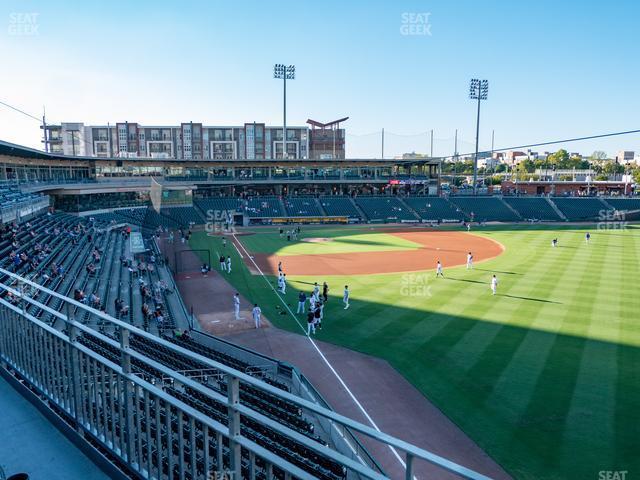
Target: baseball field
{"x":544,"y":376}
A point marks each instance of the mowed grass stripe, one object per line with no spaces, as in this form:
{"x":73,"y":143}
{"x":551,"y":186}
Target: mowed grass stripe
{"x":494,"y":361}
{"x":585,"y":408}
{"x":484,"y":344}
{"x":627,"y":391}
{"x":546,"y":415}
{"x":593,"y":406}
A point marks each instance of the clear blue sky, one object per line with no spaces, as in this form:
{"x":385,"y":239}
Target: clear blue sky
{"x":556,"y":69}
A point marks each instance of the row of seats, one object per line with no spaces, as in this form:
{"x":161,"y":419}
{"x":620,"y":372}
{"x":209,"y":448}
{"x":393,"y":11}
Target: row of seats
{"x":258,"y":207}
{"x":254,"y":207}
{"x":192,"y":444}
{"x":379,"y":208}
{"x":533,"y":208}
{"x":339,"y":206}
{"x":302,"y":207}
{"x":83,"y":259}
{"x":183,"y":216}
{"x":383,"y":209}
{"x":426,"y":208}
{"x":269,"y":405}
{"x":485,"y":209}
{"x":10,"y":195}
{"x":434,"y":209}
{"x":624,"y":204}
{"x":580,"y":209}
{"x":147,"y":217}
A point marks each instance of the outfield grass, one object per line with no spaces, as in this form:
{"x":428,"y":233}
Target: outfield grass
{"x":544,"y":376}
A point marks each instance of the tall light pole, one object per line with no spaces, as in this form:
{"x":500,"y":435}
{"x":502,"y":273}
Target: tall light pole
{"x":455,"y":159}
{"x":431,"y":145}
{"x":285,"y":72}
{"x":478,"y":90}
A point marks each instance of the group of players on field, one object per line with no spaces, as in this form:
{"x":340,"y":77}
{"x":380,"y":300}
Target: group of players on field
{"x":317,"y":300}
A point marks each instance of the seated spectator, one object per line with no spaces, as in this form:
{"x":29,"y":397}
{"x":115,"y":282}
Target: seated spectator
{"x":162,"y":285}
{"x":94,"y":300}
{"x":146,"y":311}
{"x":78,"y":295}
{"x":159,"y":319}
{"x":117,"y":303}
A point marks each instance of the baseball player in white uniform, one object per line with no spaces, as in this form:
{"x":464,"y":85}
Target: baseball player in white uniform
{"x":469,"y":261}
{"x":439,"y":271}
{"x":345,"y":297}
{"x":236,"y":306}
{"x":312,"y":302}
{"x":256,"y":313}
{"x":494,"y":285}
{"x":282,"y":283}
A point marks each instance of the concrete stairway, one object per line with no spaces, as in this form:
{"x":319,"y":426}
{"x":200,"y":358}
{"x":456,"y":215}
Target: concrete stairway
{"x":556,"y":209}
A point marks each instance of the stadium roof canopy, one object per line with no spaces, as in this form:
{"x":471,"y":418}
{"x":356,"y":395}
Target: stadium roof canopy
{"x":14,"y":150}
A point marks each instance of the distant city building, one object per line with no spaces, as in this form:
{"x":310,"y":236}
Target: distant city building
{"x":624,"y":156}
{"x":489,"y":162}
{"x":194,"y":141}
{"x":514,"y":156}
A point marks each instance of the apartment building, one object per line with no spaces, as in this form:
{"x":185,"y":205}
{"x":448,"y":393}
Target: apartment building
{"x":189,"y":141}
{"x":625,"y":156}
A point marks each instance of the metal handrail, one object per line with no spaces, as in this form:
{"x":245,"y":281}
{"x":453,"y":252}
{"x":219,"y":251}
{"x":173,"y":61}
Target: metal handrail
{"x":412,"y":452}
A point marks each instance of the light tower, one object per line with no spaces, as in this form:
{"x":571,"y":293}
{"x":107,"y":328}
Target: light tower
{"x":285,"y":72}
{"x":478,"y":90}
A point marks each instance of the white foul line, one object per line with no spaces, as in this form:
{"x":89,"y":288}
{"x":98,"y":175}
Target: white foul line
{"x":237,"y":249}
{"x":344,"y":385}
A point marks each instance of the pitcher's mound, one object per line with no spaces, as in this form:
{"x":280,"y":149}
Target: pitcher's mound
{"x":317,"y":239}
